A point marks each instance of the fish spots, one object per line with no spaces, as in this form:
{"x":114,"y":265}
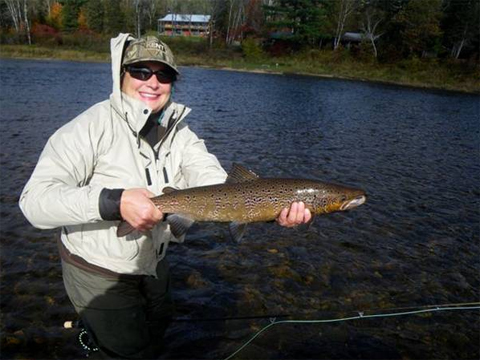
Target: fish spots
{"x":256,"y":200}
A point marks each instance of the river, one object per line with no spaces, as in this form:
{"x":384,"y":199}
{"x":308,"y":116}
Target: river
{"x":415,"y":243}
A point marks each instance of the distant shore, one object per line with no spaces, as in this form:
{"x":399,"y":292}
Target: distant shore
{"x":424,"y":75}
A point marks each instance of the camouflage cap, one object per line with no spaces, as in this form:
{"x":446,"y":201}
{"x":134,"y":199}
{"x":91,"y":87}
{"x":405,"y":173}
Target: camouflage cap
{"x":149,"y":48}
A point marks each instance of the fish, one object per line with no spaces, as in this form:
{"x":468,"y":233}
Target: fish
{"x":246,"y":198}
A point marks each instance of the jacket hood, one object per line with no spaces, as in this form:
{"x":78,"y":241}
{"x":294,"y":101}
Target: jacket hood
{"x":117,"y":47}
{"x":133,"y":111}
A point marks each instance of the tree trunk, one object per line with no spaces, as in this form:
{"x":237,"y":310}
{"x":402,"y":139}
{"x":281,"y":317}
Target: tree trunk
{"x":137,"y":10}
{"x":48,"y":7}
{"x":458,"y":48}
{"x":462,"y":43}
{"x":236,"y":23}
{"x":152,"y":10}
{"x":27,"y":24}
{"x":14,"y":10}
{"x":375,"y":53}
{"x":227,"y":38}
{"x":346,"y":8}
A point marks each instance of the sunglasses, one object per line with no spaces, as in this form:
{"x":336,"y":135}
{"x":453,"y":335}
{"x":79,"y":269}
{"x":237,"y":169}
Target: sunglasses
{"x":145,"y":73}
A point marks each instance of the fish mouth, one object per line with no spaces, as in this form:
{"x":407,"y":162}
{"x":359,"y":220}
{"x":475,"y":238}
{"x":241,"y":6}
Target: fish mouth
{"x":359,"y":200}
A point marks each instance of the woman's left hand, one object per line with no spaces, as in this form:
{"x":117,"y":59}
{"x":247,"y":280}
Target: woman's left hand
{"x":296,"y":215}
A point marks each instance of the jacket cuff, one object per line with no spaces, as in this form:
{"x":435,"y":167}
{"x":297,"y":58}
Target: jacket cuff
{"x":109,"y":204}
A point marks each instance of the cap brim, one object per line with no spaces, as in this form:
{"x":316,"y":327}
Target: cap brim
{"x":153,"y":60}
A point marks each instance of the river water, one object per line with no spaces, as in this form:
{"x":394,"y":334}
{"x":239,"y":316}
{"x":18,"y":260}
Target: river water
{"x":415,"y":242}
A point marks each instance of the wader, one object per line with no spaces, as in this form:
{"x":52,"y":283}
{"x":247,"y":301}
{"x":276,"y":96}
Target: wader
{"x":125,"y":316}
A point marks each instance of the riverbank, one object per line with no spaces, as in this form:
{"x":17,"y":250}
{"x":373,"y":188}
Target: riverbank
{"x":433,"y":74}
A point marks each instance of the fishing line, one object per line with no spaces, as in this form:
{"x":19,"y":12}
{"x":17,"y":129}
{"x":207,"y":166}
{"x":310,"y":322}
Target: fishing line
{"x":251,"y":317}
{"x":361,"y":315}
{"x":277,"y":316}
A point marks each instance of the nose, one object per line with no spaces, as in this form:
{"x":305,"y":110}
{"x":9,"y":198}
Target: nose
{"x":153,"y":82}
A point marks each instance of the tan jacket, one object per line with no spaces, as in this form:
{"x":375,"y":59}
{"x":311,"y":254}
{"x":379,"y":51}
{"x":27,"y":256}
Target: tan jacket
{"x":101,"y":148}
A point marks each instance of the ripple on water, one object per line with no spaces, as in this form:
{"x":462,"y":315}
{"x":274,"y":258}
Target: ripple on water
{"x":415,"y":241}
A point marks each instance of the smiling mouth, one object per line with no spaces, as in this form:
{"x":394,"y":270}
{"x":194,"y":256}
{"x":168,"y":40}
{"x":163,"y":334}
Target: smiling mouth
{"x":150,"y":96}
{"x":359,"y":200}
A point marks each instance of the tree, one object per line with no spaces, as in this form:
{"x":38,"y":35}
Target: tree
{"x":345,"y":8}
{"x":151,"y":10}
{"x":26,"y":22}
{"x":18,"y":11}
{"x":15,"y":11}
{"x":82,"y":19}
{"x":419,"y":26}
{"x":138,"y":17}
{"x":254,"y":17}
{"x":461,"y":25}
{"x":305,"y":19}
{"x":214,"y":10}
{"x":236,"y":14}
{"x":228,"y":18}
{"x":54,"y":17}
{"x":372,"y":16}
{"x":114,"y":19}
{"x":69,"y":15}
{"x":94,"y":14}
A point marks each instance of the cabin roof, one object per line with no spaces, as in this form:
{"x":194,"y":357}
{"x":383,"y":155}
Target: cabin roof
{"x":186,"y":18}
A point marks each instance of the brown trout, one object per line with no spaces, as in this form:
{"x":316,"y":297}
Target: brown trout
{"x":246,"y":198}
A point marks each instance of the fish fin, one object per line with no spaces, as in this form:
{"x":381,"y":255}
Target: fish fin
{"x":168,"y":190}
{"x":237,"y":230}
{"x":240,"y":174}
{"x":179,"y":224}
{"x":124,"y":228}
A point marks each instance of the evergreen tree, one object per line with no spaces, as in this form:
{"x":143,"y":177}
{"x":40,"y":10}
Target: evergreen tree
{"x":304,"y":18}
{"x":94,"y":12}
{"x":114,"y":20}
{"x":70,"y":11}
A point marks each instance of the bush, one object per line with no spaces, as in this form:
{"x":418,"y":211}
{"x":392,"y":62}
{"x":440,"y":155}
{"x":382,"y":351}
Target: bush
{"x":191,"y":45}
{"x":87,"y":40}
{"x":45,"y":35}
{"x":252,"y":50}
{"x":341,"y":55}
{"x":10,"y":37}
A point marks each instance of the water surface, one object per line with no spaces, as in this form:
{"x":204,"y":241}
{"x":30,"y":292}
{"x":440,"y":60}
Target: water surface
{"x":415,"y":242}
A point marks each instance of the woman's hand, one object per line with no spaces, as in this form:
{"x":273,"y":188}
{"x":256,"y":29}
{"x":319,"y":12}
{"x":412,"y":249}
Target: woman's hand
{"x":296,"y":215}
{"x":138,"y":210}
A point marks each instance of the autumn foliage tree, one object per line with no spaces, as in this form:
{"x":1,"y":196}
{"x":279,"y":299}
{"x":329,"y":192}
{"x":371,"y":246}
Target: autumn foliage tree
{"x":391,"y":30}
{"x":55,"y":16}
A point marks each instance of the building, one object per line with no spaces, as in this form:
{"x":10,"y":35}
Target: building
{"x":357,"y":38}
{"x":184,"y":25}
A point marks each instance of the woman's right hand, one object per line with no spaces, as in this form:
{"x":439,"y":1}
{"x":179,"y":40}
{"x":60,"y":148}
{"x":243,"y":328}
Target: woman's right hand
{"x":138,"y":210}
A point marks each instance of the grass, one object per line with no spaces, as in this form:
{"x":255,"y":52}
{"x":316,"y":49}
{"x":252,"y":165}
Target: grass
{"x":447,"y":75}
{"x":59,"y":53}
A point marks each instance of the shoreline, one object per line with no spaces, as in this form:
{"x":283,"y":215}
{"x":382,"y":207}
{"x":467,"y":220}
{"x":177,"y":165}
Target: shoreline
{"x":342,"y":77}
{"x":94,"y":57}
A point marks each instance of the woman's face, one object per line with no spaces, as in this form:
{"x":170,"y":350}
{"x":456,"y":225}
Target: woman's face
{"x":151,"y":92}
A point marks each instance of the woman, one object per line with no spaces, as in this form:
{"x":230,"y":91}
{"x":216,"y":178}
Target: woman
{"x":103,"y":167}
